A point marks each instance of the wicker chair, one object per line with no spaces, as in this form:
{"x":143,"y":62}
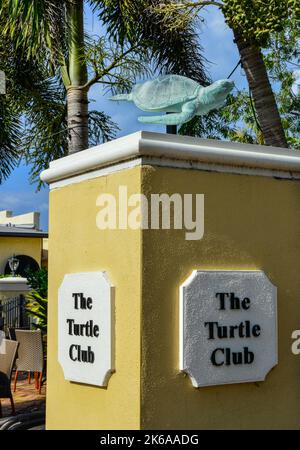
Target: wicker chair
{"x":30,"y":355}
{"x":7,"y":360}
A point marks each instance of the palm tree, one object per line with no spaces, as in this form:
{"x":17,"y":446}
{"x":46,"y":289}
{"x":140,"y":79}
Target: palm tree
{"x":47,"y":30}
{"x":54,"y":30}
{"x":19,"y":75}
{"x":263,"y":97}
{"x":251,"y":24}
{"x":33,"y":116}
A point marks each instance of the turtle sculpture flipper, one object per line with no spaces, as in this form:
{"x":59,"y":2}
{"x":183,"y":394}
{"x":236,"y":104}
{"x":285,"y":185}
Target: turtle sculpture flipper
{"x":179,"y":96}
{"x":187,"y":113}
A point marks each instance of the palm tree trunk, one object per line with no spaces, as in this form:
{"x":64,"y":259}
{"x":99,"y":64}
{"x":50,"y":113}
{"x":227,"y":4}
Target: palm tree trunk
{"x":77,"y":99}
{"x":263,"y":96}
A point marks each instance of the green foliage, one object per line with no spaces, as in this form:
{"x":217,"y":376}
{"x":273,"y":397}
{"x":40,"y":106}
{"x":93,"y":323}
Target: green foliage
{"x":35,"y":55}
{"x":10,"y":128}
{"x":33,"y":113}
{"x":37,"y":302}
{"x":101,"y":127}
{"x":114,"y":66}
{"x":136,"y":22}
{"x":141,"y":34}
{"x":18,"y":74}
{"x":38,"y":281}
{"x":34,"y":26}
{"x":28,"y":88}
{"x":237,"y":121}
{"x":211,"y":126}
{"x":257,"y":19}
{"x":36,"y":307}
{"x":45,"y":135}
{"x":282,"y":59}
{"x":234,"y":122}
{"x":273,"y":25}
{"x":239,"y":112}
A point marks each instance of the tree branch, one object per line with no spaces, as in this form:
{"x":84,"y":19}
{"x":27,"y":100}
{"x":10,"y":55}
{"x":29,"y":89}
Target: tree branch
{"x":191,"y":5}
{"x":106,"y":71}
{"x":201,"y":4}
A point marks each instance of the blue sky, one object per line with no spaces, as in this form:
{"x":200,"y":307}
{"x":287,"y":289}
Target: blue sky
{"x":17,"y":194}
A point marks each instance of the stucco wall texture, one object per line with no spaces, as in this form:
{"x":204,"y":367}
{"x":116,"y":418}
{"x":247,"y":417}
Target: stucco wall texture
{"x":251,"y":222}
{"x":77,"y":245}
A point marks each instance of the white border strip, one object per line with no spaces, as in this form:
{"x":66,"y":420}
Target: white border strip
{"x":174,"y":151}
{"x":143,"y":161}
{"x":97,"y":173}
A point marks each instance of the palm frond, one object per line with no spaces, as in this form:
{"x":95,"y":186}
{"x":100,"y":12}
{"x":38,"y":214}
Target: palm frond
{"x":117,"y":68}
{"x":101,"y":128}
{"x":136,"y":22}
{"x":10,"y":135}
{"x":45,"y":136}
{"x":36,"y":26}
{"x":46,"y":129}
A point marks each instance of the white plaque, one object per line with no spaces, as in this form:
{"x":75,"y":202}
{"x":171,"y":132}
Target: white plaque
{"x":228,"y":327}
{"x":85,"y":328}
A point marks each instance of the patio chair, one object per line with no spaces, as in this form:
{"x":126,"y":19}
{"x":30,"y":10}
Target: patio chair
{"x":7,"y":360}
{"x":30,"y":355}
{"x":12,"y":336}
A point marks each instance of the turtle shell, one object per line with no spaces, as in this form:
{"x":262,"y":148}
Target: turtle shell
{"x":164,"y":91}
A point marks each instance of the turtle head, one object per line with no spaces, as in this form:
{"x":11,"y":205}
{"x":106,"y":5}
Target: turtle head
{"x":214,"y":96}
{"x":222,"y":88}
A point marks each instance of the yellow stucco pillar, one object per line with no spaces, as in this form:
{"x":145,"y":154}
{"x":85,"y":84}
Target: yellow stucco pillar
{"x":251,"y":222}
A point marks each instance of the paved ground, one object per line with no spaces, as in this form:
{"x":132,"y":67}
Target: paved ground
{"x":26,"y":398}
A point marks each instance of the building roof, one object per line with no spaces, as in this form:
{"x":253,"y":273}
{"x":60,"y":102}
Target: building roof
{"x":21,"y":231}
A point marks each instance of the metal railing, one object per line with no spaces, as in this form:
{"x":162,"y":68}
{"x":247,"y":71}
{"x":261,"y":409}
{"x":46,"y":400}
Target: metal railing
{"x":13,"y":314}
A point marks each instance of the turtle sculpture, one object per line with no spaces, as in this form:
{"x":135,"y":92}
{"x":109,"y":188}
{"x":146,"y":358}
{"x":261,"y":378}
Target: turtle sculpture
{"x":181,"y":96}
